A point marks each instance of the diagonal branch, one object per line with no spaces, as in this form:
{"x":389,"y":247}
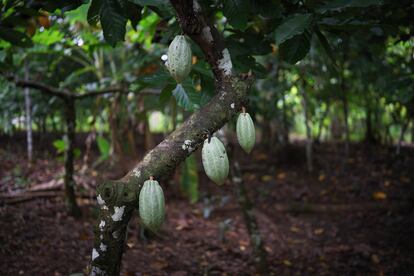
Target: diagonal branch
{"x":118,"y":199}
{"x":53,"y":91}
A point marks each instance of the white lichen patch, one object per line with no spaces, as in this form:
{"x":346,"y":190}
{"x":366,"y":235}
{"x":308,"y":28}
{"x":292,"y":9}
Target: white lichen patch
{"x":115,"y":234}
{"x":103,"y":247}
{"x":223,"y":94}
{"x":207,"y":34}
{"x":100,"y":200}
{"x":95,"y":254}
{"x":232,"y":105}
{"x":196,"y":6}
{"x":136,"y":172}
{"x":97,"y":271}
{"x":118,"y":213}
{"x":225,"y":62}
{"x":102,"y":225}
{"x":187,"y":146}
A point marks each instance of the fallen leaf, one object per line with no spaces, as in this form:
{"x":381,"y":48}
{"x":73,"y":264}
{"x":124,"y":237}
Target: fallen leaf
{"x":379,"y":196}
{"x":287,"y":263}
{"x":375,"y":259}
{"x":266,"y":178}
{"x":319,"y":231}
{"x":260,"y":156}
{"x":281,"y":176}
{"x":321,"y":177}
{"x":294,"y":229}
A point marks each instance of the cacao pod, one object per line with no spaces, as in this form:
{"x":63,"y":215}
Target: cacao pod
{"x":215,"y":161}
{"x":151,"y":205}
{"x":179,"y":58}
{"x":246,"y":134}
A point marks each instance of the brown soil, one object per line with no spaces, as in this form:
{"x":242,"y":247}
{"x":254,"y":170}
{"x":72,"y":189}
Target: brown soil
{"x":346,"y":218}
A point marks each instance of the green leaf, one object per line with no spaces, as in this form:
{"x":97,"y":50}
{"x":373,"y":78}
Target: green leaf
{"x":189,"y":179}
{"x":293,"y":26}
{"x":132,"y":12}
{"x":186,"y":96}
{"x":237,"y":12}
{"x":94,"y":11}
{"x":325,"y":45}
{"x":60,"y":145}
{"x":166,"y":93}
{"x":295,"y":48}
{"x":155,"y":3}
{"x":113,"y":21}
{"x":343,"y":4}
{"x":15,"y":37}
{"x":182,"y":97}
{"x":104,"y":147}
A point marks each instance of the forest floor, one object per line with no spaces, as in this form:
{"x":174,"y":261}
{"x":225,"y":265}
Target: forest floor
{"x":349,"y":217}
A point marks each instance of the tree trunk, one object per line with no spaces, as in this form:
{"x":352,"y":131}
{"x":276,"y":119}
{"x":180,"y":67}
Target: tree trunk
{"x":345,"y":113}
{"x":369,"y":136}
{"x":309,"y":151}
{"x":285,"y":121}
{"x":69,"y":182}
{"x":246,"y":206}
{"x":320,"y":126}
{"x":29,"y":134}
{"x":401,"y":138}
{"x":118,"y":199}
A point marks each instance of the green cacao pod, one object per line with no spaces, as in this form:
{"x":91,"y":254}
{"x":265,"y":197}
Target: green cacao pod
{"x":215,"y":161}
{"x":179,"y":58}
{"x":245,"y":132}
{"x":151,"y":205}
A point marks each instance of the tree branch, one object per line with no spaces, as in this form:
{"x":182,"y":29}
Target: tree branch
{"x":207,"y":37}
{"x":61,"y":93}
{"x":146,"y":92}
{"x":118,"y":199}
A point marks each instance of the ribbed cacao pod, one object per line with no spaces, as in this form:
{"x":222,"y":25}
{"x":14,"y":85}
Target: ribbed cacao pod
{"x":246,"y":134}
{"x":151,"y":205}
{"x":179,"y":58}
{"x":215,"y":161}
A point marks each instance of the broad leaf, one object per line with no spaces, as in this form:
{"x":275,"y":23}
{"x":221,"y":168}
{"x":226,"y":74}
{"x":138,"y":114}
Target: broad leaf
{"x":237,"y":12}
{"x":295,"y":48}
{"x":293,"y":26}
{"x":189,"y":179}
{"x":104,"y":147}
{"x":94,"y":11}
{"x":343,"y":4}
{"x":113,"y":21}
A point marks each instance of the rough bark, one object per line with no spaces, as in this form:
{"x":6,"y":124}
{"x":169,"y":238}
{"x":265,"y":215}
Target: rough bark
{"x":69,"y":182}
{"x":118,"y":199}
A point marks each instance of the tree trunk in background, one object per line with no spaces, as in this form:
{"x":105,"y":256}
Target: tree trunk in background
{"x":320,"y":126}
{"x":246,"y":206}
{"x":285,"y":121}
{"x":69,"y":182}
{"x":29,"y":134}
{"x":345,"y":112}
{"x":369,"y":135}
{"x":309,"y":152}
{"x":401,"y":138}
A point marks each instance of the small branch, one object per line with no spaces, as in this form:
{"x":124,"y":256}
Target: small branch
{"x":61,"y":93}
{"x":109,"y":90}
